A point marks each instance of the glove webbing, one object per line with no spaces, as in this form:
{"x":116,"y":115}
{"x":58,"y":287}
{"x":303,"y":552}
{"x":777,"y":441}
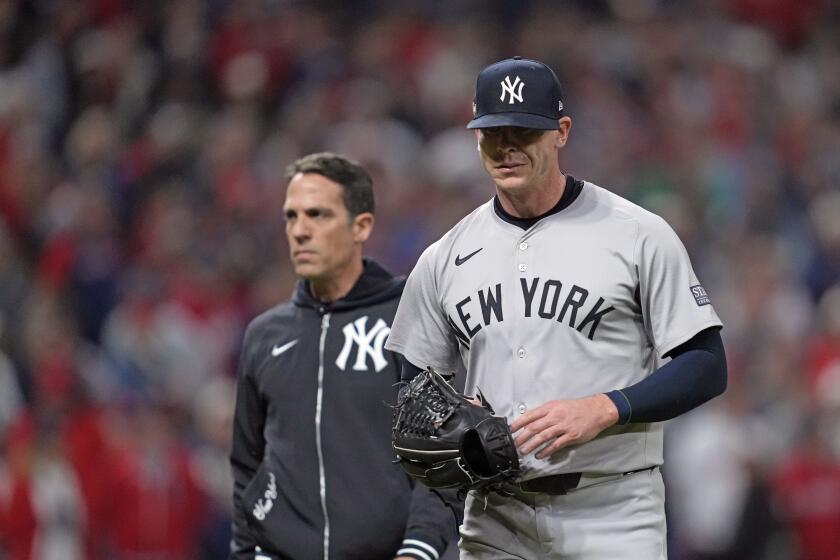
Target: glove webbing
{"x":424,"y":413}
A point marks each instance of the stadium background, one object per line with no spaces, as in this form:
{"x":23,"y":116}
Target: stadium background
{"x":142,"y":150}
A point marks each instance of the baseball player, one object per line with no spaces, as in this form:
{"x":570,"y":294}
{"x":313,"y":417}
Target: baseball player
{"x":311,"y":456}
{"x":561,"y":299}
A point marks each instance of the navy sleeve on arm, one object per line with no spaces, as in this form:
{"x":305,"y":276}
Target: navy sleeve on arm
{"x":408,"y":371}
{"x":433,"y":521}
{"x":695,"y":374}
{"x":245,"y":458}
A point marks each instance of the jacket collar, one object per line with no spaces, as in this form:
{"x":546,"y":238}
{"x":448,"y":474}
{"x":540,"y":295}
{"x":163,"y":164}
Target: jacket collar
{"x":375,"y":285}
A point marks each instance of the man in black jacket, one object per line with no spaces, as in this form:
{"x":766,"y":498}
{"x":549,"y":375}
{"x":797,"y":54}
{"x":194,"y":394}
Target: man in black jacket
{"x":311,"y":456}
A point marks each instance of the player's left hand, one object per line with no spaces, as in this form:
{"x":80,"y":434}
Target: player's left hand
{"x":556,"y":424}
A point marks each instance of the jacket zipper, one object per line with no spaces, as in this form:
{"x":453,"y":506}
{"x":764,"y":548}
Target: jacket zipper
{"x":325,"y":324}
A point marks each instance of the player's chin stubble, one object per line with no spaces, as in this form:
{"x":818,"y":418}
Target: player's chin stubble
{"x":512,"y":183}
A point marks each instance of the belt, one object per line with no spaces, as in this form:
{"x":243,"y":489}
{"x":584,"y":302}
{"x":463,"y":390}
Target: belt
{"x":560,"y":484}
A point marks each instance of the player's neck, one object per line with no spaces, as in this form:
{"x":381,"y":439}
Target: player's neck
{"x":533,"y":202}
{"x":337,"y":285}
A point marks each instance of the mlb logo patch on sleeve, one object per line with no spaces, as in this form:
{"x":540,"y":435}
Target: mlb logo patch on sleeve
{"x":700,"y":295}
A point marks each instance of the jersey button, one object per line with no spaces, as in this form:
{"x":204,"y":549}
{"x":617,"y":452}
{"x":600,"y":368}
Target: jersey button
{"x":523,"y":246}
{"x":521,"y":352}
{"x":523,"y":267}
{"x":521,"y":408}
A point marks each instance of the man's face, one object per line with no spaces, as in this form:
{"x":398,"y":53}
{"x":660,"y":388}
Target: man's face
{"x":323,"y":239}
{"x":519,"y":158}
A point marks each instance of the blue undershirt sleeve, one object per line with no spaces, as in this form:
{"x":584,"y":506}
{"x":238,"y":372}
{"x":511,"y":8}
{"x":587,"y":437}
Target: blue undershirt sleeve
{"x":695,"y":374}
{"x":408,"y":371}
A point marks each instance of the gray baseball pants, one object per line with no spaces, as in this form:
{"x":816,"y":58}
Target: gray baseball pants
{"x":622,"y":518}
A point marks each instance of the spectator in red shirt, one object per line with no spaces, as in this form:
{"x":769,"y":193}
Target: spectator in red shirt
{"x":807,"y":492}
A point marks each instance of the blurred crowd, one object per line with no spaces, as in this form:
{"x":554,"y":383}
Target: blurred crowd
{"x":142,"y":153}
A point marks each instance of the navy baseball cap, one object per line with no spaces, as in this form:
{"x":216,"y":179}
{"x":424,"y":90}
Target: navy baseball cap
{"x":517,"y":92}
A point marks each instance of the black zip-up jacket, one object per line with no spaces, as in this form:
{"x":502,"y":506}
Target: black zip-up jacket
{"x":312,"y":461}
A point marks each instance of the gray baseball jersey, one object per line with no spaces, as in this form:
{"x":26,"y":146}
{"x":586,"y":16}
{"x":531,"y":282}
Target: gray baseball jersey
{"x":585,"y":301}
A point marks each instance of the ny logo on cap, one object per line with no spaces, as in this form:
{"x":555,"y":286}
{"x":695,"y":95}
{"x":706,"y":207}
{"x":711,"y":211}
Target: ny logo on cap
{"x":508,"y":88}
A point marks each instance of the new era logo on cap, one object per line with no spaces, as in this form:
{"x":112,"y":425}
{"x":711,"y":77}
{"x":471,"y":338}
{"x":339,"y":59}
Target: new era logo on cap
{"x":517,"y":92}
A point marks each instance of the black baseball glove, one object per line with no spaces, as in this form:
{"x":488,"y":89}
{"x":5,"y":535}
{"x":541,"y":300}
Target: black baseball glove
{"x":445,"y":441}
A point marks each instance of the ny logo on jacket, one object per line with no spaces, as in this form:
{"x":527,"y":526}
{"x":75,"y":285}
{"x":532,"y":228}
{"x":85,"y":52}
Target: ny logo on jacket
{"x":368,"y":342}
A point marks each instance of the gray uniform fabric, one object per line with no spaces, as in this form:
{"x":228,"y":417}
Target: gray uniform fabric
{"x":621,"y":518}
{"x":585,"y":301}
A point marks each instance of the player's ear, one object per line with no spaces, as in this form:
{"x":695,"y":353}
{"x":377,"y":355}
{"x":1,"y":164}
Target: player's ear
{"x":362,"y":227}
{"x":565,"y":126}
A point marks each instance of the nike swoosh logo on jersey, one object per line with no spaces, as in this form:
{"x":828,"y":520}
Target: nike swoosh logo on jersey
{"x":277,"y":350}
{"x":459,"y":261}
